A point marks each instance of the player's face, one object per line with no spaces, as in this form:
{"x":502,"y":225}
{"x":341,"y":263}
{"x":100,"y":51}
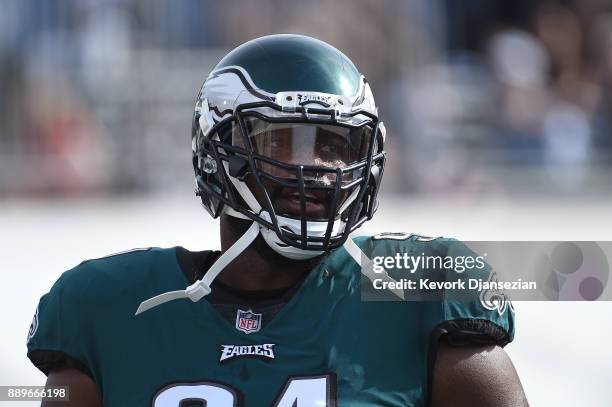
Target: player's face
{"x":323,"y":146}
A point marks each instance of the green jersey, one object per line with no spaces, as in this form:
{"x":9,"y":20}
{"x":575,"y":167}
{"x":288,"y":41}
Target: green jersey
{"x":324,"y":347}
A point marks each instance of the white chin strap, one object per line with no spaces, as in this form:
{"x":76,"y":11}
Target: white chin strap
{"x":196,"y":291}
{"x":200,"y":288}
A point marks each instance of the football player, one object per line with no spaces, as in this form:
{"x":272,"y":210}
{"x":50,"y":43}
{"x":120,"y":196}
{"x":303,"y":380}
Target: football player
{"x":288,"y":150}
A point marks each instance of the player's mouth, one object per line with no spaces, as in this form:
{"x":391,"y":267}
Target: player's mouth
{"x":289,"y":203}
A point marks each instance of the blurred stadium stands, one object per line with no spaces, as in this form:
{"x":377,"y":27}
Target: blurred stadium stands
{"x":479,"y":96}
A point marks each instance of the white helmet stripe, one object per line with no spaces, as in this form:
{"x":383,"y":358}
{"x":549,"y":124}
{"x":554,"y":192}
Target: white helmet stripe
{"x":243,"y":190}
{"x":348,"y":201}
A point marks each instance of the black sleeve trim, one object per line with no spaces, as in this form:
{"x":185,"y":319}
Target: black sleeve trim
{"x":468,"y":331}
{"x":462,"y":332}
{"x":47,"y":360}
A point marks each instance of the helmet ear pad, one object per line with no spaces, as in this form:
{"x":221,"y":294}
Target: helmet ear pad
{"x":207,"y":165}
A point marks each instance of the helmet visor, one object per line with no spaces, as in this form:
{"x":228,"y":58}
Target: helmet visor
{"x":304,"y":143}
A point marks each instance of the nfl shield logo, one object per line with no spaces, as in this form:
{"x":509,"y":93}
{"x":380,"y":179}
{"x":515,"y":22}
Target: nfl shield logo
{"x":248,"y":321}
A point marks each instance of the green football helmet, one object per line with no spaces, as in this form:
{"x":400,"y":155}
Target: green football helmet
{"x":286,"y":133}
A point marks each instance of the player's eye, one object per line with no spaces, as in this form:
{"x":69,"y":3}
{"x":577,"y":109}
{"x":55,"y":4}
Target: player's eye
{"x":328,"y":149}
{"x":274,"y":143}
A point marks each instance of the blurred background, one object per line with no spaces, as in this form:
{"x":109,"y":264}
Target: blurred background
{"x":498,"y":114}
{"x":478,"y":95}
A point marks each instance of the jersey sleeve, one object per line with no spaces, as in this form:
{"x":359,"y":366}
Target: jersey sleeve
{"x":462,"y":315}
{"x":59,"y":335}
{"x":473,"y":316}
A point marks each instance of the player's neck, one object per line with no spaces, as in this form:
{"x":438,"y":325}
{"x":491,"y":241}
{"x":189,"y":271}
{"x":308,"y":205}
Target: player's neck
{"x":258,"y":267}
